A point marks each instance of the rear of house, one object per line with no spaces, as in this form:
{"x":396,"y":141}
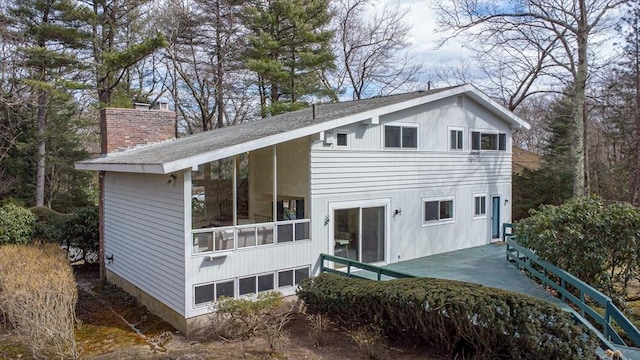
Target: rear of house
{"x":250,"y":208}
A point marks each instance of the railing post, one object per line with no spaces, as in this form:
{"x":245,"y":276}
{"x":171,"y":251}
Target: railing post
{"x":582,"y":301}
{"x":321,"y":263}
{"x":606,"y":320}
{"x":379,"y":274}
{"x":563,"y":284}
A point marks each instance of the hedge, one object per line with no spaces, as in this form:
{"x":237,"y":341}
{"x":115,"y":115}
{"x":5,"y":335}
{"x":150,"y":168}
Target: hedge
{"x":450,"y":315}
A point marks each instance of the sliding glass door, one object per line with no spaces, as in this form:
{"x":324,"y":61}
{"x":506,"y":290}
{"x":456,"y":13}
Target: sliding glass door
{"x":359,"y":233}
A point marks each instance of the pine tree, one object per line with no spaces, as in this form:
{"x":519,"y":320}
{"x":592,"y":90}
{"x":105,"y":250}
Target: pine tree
{"x":289,"y":45}
{"x":52,"y":35}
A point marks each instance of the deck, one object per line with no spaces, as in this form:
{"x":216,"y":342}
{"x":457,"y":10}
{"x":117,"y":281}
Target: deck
{"x":485,"y":265}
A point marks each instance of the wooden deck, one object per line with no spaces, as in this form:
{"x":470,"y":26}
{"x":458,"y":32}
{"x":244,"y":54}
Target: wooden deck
{"x":485,"y":265}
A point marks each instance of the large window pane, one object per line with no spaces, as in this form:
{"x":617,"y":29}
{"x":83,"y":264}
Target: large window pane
{"x":446,"y":209}
{"x":410,"y":137}
{"x":285,"y":233}
{"x":392,"y":136}
{"x":475,"y":140}
{"x":265,"y":234}
{"x":373,"y":223}
{"x":301,"y":274}
{"x":225,"y":289}
{"x":203,"y":294}
{"x":489,"y":141}
{"x":202,"y":242}
{"x":265,"y":282}
{"x":285,"y":278}
{"x":346,"y":233}
{"x":212,"y":194}
{"x":260,"y":187}
{"x":246,"y":237}
{"x":302,"y":231}
{"x":224,"y":239}
{"x":431,"y":210}
{"x":293,"y":179}
{"x":247,"y":286}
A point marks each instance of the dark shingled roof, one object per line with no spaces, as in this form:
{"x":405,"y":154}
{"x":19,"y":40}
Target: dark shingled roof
{"x":207,"y":146}
{"x":199,"y":143}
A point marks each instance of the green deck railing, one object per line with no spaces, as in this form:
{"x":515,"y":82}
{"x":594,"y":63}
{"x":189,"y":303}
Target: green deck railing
{"x":352,"y":265}
{"x":581,"y":298}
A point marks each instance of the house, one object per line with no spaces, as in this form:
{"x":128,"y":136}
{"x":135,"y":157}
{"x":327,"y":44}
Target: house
{"x":249,"y":208}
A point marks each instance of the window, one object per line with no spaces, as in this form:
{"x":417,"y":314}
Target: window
{"x":400,"y":137}
{"x":342,"y":139}
{"x":292,"y":277}
{"x":488,"y":141}
{"x":208,"y":293}
{"x":480,"y":206}
{"x":438,"y":210}
{"x":248,"y":285}
{"x":455,"y":141}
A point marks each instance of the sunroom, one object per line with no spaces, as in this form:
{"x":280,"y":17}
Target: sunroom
{"x":255,"y":199}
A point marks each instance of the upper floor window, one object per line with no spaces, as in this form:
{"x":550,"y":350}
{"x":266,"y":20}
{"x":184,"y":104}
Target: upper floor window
{"x":488,"y":141}
{"x":342,"y":139}
{"x":401,"y":137}
{"x":455,"y":139}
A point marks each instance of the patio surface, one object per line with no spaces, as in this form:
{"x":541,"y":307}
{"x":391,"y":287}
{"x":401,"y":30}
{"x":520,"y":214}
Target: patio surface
{"x":485,"y":265}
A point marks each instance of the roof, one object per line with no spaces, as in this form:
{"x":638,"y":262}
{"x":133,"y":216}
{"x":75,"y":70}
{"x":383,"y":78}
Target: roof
{"x":190,"y":151}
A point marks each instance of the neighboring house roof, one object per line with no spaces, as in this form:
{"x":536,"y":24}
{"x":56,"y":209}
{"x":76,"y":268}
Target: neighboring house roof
{"x":523,"y":159}
{"x":192,"y":150}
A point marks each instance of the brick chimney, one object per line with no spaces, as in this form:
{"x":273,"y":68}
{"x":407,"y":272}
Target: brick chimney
{"x":124,"y":129}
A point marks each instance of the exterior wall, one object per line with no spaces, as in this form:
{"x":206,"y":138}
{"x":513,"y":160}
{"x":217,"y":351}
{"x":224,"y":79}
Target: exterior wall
{"x":126,"y":128}
{"x":293,"y":182}
{"x":366,"y":171}
{"x":144,"y":234}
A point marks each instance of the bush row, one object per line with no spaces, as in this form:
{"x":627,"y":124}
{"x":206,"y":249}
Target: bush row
{"x":38,"y":296}
{"x":77,"y":232}
{"x":596,"y":241}
{"x":452,"y":317}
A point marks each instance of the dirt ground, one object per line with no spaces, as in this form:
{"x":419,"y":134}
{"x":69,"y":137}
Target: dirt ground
{"x":114,"y":326}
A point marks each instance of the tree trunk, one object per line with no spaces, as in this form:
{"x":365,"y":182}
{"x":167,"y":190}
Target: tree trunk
{"x":42,"y":152}
{"x":578,"y":112}
{"x":219,"y":70}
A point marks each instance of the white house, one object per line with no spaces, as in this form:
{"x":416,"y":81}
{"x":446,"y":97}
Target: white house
{"x":249,"y":208}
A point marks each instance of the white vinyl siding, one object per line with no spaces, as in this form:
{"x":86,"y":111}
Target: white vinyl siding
{"x":144,"y":232}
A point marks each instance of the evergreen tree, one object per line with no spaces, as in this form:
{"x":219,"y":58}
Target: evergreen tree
{"x":52,"y":34}
{"x":289,"y":45}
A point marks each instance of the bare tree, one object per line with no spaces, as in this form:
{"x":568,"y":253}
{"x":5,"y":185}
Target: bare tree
{"x":561,"y":31}
{"x":371,"y":49}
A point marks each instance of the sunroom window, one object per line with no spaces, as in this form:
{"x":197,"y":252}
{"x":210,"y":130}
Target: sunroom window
{"x":488,"y":141}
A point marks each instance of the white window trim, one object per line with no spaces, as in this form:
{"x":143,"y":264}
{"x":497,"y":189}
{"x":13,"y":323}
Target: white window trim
{"x":487,"y":132}
{"x":342,"y":132}
{"x":486,"y":201}
{"x":449,"y":130}
{"x":438,"y":222}
{"x":401,"y":124}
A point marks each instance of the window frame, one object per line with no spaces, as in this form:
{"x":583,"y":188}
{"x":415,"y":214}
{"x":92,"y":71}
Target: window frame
{"x":477,"y":215}
{"x":344,"y":132}
{"x":460,"y":138}
{"x":500,"y":140}
{"x":439,"y":200}
{"x":402,"y":126}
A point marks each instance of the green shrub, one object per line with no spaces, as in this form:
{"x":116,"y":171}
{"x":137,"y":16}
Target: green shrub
{"x":449,"y":315}
{"x":595,"y":241}
{"x":81,"y":233}
{"x":50,"y":224}
{"x":16,"y":224}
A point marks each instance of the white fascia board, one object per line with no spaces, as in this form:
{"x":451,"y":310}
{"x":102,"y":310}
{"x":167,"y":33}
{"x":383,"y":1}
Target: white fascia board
{"x":128,"y":168}
{"x":509,"y":116}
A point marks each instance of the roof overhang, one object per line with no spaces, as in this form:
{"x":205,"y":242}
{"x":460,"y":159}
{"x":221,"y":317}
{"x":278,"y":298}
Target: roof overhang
{"x":368,"y":116}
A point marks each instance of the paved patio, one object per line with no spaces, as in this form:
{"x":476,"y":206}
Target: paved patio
{"x":485,"y":265}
